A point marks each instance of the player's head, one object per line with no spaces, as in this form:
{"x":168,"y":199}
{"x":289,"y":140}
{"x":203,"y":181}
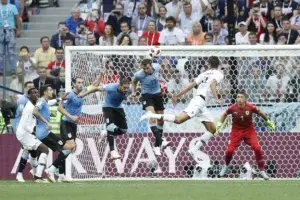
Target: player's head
{"x":78,"y":83}
{"x":46,"y":91}
{"x":214,"y":62}
{"x":27,"y":86}
{"x":146,"y":65}
{"x":33,"y":95}
{"x":241,"y":98}
{"x":124,"y":84}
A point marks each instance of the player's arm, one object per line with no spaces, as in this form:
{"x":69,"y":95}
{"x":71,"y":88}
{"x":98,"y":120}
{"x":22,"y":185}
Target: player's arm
{"x":37,"y":114}
{"x":91,"y":89}
{"x":63,"y":111}
{"x":133,"y":87}
{"x":186,"y":90}
{"x":270,"y":123}
{"x":213,"y":87}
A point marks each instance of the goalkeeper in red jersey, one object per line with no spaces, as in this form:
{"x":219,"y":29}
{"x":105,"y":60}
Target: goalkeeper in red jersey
{"x":243,"y":130}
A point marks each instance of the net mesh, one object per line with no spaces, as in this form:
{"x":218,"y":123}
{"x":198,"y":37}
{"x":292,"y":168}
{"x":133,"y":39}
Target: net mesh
{"x":270,"y":77}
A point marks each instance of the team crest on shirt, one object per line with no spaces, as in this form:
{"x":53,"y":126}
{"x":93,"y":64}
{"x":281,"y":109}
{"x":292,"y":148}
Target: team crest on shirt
{"x":69,"y":135}
{"x":247,"y":112}
{"x":60,"y":142}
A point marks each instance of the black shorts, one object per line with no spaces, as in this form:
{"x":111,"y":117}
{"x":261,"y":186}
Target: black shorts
{"x":155,"y":100}
{"x":116,"y":116}
{"x":54,"y":142}
{"x":68,"y":130}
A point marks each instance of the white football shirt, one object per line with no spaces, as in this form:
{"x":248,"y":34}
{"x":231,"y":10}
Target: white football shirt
{"x":28,"y":120}
{"x":205,"y":79}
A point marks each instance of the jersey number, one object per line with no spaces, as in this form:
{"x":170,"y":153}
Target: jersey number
{"x":205,"y":80}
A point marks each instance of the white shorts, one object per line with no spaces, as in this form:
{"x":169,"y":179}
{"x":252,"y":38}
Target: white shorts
{"x":197,"y":108}
{"x":28,"y":141}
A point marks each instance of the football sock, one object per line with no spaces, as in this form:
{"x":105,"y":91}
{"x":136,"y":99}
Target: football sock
{"x":42,"y":163}
{"x":111,"y":141}
{"x":157,"y":134}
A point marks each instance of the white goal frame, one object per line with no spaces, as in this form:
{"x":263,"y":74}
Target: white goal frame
{"x":205,"y":51}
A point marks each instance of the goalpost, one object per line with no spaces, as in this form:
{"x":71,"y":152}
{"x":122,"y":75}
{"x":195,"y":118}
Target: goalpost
{"x":265,"y":72}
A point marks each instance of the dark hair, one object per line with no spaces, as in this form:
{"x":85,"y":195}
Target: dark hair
{"x":252,"y":33}
{"x":267,"y":37}
{"x":123,"y":36}
{"x":75,"y":79}
{"x":59,"y":48}
{"x":214,"y":62}
{"x":244,"y":93}
{"x":27,"y":83}
{"x":30,"y":90}
{"x":24,"y":47}
{"x":171,"y":18}
{"x":43,"y":89}
{"x":146,"y":61}
{"x":285,"y":19}
{"x":124,"y":80}
{"x":67,"y":38}
{"x":61,"y":23}
{"x":44,"y":37}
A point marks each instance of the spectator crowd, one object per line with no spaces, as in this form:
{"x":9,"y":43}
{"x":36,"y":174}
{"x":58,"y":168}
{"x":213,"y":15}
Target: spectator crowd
{"x":165,"y":22}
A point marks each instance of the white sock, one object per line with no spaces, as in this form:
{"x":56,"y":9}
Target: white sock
{"x":61,"y":176}
{"x":204,"y":138}
{"x":42,"y":164}
{"x":33,"y":163}
{"x":169,"y":117}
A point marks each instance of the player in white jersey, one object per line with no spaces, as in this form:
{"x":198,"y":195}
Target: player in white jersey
{"x":207,"y":83}
{"x":24,"y":133}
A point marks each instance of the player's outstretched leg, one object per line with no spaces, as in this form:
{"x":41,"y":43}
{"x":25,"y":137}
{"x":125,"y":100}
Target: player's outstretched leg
{"x":260,"y":160}
{"x":33,"y":160}
{"x":112,"y":131}
{"x":211,"y":130}
{"x":22,"y":165}
{"x":42,"y":161}
{"x":68,"y":147}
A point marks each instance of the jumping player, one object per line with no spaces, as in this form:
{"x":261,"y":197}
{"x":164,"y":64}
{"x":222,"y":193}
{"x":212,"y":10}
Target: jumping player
{"x":44,"y":134}
{"x":21,"y":102}
{"x":152,"y":99}
{"x":207,"y":83}
{"x":243,"y":130}
{"x":115,"y":94}
{"x":25,"y":136}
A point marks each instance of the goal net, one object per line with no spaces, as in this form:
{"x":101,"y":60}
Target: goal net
{"x":269,"y":74}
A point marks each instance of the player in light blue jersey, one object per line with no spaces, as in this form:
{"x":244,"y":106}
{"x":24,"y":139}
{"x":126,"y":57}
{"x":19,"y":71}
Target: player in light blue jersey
{"x":43,"y":128}
{"x":152,"y":99}
{"x":21,"y":102}
{"x":115,"y":118}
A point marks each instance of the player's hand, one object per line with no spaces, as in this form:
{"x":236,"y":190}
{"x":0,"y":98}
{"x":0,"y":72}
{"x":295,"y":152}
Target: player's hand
{"x":271,"y":126}
{"x":218,"y":128}
{"x":75,"y":118}
{"x":49,"y":126}
{"x":65,"y":96}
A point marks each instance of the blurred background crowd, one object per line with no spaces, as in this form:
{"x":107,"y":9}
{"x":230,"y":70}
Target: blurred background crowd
{"x":152,"y":23}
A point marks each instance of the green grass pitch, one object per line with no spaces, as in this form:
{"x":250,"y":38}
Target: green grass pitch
{"x":152,"y":190}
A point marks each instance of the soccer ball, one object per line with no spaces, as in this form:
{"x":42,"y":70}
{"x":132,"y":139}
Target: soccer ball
{"x":152,"y":165}
{"x":154,"y":52}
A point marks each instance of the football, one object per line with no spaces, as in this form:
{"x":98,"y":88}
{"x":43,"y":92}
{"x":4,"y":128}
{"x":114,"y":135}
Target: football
{"x":154,"y":52}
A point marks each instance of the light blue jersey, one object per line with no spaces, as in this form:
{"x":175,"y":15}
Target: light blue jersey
{"x":73,"y":105}
{"x":42,"y":130}
{"x":21,"y":102}
{"x":149,"y":83}
{"x":113,"y":97}
{"x":8,"y":15}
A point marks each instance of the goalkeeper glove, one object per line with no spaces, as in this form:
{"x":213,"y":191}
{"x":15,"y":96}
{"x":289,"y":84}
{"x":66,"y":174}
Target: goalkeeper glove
{"x":271,"y":125}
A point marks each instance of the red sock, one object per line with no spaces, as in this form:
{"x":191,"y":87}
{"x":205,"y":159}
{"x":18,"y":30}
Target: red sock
{"x":259,"y":157}
{"x":229,"y":154}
